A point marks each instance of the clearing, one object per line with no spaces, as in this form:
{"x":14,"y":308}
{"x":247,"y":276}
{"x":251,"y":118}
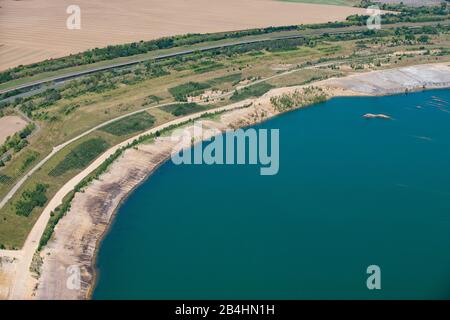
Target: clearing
{"x":10,"y":125}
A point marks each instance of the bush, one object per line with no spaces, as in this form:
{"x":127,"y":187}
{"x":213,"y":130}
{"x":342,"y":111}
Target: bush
{"x":183,"y":109}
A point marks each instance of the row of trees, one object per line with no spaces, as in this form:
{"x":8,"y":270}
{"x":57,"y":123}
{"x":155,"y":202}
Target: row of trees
{"x":406,"y":14}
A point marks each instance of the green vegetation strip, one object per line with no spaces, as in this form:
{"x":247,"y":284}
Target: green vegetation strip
{"x":184,"y":109}
{"x":31,"y":157}
{"x":233,"y":78}
{"x":62,"y":209}
{"x":131,"y":124}
{"x":80,"y":156}
{"x":17,"y":141}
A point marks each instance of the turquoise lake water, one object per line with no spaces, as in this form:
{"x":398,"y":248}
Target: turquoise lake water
{"x":350,"y":193}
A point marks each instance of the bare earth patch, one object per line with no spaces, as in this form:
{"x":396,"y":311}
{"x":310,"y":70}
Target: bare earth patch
{"x":10,"y":125}
{"x":392,"y":81}
{"x":35,"y":30}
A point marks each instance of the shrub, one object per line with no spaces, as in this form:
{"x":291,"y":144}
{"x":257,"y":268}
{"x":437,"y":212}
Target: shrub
{"x":80,"y":156}
{"x":183,"y":109}
{"x":181,"y":92}
{"x":131,"y":124}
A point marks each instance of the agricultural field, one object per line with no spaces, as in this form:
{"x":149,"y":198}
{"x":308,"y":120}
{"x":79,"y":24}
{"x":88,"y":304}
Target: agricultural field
{"x":35,"y":30}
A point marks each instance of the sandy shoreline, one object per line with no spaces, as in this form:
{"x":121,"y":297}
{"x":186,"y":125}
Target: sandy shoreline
{"x":79,"y":233}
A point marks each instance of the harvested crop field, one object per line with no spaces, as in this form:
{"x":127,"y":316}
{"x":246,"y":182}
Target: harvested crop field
{"x":10,"y":125}
{"x":34,"y":30}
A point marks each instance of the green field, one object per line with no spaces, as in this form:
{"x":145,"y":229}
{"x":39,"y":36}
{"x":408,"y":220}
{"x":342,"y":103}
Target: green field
{"x":249,"y":92}
{"x":80,"y":156}
{"x":190,"y":89}
{"x":348,"y":3}
{"x":131,"y":124}
{"x":89,"y":101}
{"x":184,"y":108}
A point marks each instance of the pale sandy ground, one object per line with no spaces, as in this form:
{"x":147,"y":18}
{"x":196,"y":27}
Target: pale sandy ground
{"x":35,"y":30}
{"x":78,"y":233}
{"x":10,"y":125}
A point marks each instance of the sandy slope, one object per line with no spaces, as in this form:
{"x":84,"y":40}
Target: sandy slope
{"x":34,"y":30}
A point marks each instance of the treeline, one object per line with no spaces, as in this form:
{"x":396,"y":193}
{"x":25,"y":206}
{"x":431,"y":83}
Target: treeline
{"x":62,"y":209}
{"x":183,"y":109}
